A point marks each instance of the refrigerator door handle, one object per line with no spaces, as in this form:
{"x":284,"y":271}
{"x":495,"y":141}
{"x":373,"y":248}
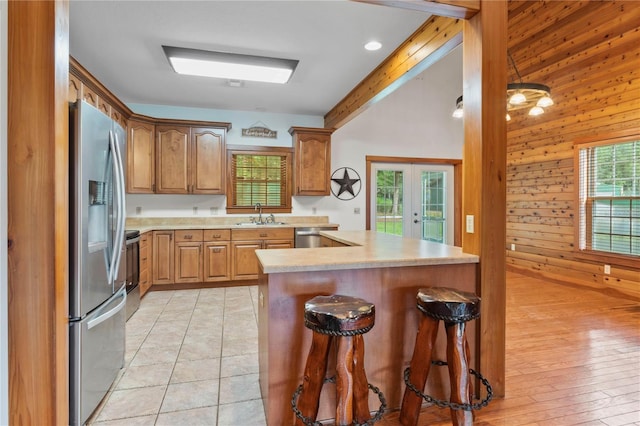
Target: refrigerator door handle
{"x":123,"y":210}
{"x":111,"y":312}
{"x":117,"y":246}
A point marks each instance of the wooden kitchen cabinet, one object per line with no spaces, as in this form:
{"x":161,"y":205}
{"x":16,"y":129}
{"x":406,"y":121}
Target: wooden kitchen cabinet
{"x":217,"y":255}
{"x":172,"y":160}
{"x":208,"y":161}
{"x":244,"y":243}
{"x":163,"y":257}
{"x":190,"y":160}
{"x":145,"y":262}
{"x":141,"y":170}
{"x":188,"y":256}
{"x":312,"y":170}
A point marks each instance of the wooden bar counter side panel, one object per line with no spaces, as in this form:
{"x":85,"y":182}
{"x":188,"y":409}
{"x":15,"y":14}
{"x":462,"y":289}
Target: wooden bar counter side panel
{"x":284,"y":340}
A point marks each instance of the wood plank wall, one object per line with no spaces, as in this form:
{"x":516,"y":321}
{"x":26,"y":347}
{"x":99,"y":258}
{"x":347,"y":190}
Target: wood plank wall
{"x":589,"y":54}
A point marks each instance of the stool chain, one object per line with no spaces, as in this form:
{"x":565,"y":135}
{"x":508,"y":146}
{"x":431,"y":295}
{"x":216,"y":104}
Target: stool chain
{"x":310,"y":422}
{"x":449,"y":404}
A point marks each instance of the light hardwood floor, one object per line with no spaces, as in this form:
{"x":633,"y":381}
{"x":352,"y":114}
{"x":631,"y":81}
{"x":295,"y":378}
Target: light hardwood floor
{"x":573,"y":358}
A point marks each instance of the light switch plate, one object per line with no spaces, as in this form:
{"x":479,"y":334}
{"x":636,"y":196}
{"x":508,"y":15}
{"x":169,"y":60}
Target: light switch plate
{"x":470,"y":224}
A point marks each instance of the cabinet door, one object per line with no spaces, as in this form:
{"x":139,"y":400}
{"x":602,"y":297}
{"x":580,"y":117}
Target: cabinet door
{"x":208,"y":159}
{"x":245,"y":262}
{"x":188,"y":262}
{"x":172,"y":156}
{"x":140,"y":158}
{"x":162,"y":258}
{"x":217,"y":261}
{"x":313,"y":161}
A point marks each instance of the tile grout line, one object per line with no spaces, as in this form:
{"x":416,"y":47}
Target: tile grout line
{"x":178,"y":354}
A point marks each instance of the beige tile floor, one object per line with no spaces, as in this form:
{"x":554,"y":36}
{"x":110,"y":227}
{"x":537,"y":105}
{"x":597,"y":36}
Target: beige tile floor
{"x":192,"y":359}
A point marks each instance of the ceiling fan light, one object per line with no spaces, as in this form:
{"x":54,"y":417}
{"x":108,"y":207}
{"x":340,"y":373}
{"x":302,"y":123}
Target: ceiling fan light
{"x":536,"y":110}
{"x":517,"y":98}
{"x":545,"y":102}
{"x":458,"y":112}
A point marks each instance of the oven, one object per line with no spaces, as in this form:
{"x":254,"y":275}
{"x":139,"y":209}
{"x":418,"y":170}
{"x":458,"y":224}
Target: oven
{"x":133,"y":271}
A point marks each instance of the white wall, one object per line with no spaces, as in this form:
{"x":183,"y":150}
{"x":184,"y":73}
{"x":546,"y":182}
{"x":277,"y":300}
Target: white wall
{"x":414,"y":121}
{"x":4,"y":292}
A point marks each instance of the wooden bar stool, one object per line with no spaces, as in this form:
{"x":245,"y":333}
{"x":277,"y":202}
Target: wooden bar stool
{"x":455,"y":308}
{"x":347,"y":319}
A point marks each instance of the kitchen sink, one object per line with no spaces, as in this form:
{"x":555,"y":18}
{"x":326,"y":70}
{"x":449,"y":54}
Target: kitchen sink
{"x":260,"y":224}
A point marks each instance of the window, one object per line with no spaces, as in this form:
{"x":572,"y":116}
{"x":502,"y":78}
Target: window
{"x":259,"y":175}
{"x":609,"y":196}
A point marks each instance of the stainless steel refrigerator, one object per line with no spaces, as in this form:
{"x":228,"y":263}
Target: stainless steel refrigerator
{"x":97,"y":294}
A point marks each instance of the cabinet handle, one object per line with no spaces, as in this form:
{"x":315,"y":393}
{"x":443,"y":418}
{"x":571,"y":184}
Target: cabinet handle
{"x":144,"y":258}
{"x":217,"y":250}
{"x":188,"y":237}
{"x":263,"y":235}
{"x":217,"y":236}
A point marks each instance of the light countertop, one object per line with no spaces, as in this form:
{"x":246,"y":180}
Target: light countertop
{"x":145,"y":224}
{"x":368,"y":249}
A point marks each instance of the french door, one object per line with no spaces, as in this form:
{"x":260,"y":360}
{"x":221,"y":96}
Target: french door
{"x":413,"y":200}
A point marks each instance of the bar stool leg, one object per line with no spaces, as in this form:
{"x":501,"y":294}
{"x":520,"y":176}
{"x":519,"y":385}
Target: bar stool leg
{"x":360,"y":383}
{"x":420,"y":365}
{"x":314,"y":375}
{"x":458,"y":360}
{"x":344,"y":381}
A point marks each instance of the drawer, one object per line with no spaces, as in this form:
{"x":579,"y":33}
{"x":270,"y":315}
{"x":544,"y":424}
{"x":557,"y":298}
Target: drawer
{"x":217,"y":235}
{"x":144,"y":254}
{"x":188,"y":235}
{"x":265,"y":233}
{"x":144,"y":239}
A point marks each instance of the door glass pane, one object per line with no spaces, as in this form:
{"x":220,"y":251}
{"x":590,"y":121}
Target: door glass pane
{"x":389,"y":199}
{"x":433,"y":206}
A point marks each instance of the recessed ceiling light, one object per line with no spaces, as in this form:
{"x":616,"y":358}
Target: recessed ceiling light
{"x":373,"y":45}
{"x":230,"y":66}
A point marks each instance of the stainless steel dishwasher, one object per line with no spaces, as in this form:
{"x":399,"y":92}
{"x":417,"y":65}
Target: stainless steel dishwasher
{"x":309,"y":236}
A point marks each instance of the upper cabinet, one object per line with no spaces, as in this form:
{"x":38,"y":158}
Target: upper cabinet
{"x":312,"y":160}
{"x":208,"y":160}
{"x":190,"y":160}
{"x":172,"y":158}
{"x":141,"y":170}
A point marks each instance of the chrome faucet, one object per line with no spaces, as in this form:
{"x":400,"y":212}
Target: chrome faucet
{"x":258,"y":207}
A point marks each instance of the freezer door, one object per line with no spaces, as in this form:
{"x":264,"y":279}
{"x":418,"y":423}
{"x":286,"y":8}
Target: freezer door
{"x":97,"y":346}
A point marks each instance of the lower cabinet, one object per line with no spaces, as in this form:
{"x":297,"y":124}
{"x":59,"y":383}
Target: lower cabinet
{"x":217,"y":255}
{"x":188,"y":256}
{"x":145,"y":262}
{"x":244,"y":243}
{"x":163,"y":258}
{"x":212,"y":255}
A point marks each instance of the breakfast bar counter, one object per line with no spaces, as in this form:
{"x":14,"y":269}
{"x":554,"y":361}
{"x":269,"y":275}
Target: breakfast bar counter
{"x":383,"y":269}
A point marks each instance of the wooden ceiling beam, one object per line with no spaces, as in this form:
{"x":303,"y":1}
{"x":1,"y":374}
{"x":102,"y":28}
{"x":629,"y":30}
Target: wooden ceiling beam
{"x":460,"y":9}
{"x":428,"y":44}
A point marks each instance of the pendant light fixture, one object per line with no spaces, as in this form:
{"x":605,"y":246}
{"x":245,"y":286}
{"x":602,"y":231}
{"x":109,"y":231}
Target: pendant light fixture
{"x":534,"y":96}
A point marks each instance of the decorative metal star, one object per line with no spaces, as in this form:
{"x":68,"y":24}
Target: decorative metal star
{"x":346,"y":183}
